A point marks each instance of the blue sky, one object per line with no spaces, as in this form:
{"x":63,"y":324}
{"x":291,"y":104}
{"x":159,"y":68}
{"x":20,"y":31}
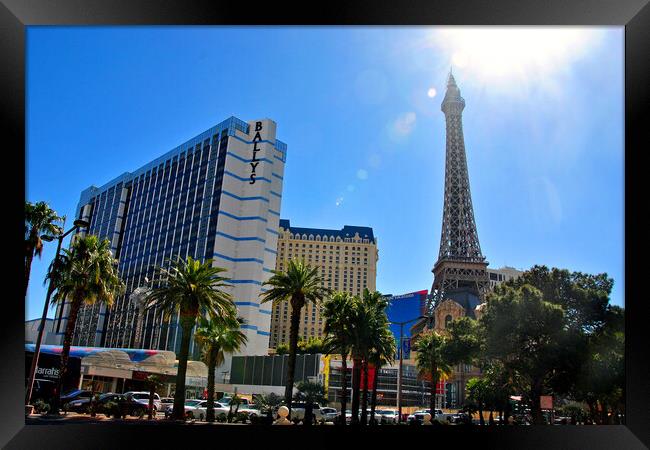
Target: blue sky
{"x":359,"y":108}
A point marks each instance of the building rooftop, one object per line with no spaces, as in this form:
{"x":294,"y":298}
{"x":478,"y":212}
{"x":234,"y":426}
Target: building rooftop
{"x":348,"y":231}
{"x":231,"y":124}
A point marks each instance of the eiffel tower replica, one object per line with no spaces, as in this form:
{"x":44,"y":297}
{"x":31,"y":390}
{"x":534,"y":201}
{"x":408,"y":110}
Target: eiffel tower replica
{"x":460,"y":273}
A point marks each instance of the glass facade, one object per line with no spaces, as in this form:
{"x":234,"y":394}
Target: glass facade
{"x":170,"y":208}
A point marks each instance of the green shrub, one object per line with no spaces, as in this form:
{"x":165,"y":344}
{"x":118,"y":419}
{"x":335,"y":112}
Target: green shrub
{"x":112,"y":409}
{"x":41,"y":406}
{"x":241,"y":417}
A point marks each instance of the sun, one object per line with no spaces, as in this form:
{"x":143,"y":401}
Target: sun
{"x":505,"y":54}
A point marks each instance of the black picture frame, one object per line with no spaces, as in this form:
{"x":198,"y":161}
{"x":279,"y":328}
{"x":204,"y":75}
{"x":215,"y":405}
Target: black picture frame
{"x":634,"y":15}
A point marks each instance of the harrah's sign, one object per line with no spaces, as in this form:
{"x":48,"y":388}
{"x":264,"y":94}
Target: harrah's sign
{"x":255,"y":162}
{"x":49,"y":372}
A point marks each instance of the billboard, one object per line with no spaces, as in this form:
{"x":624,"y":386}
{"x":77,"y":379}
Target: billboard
{"x":405,"y":308}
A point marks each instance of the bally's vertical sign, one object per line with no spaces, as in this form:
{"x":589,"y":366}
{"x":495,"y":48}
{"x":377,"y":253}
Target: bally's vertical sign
{"x":255,"y":162}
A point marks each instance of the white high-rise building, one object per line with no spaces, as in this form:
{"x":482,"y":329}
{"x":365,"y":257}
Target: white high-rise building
{"x":505,"y":273}
{"x":217,"y":196}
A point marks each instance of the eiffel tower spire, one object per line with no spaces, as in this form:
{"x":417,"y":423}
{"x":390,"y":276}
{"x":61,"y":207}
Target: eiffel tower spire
{"x":460,"y":272}
{"x":459,"y":239}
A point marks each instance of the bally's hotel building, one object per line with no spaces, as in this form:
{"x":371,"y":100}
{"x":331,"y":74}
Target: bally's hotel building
{"x":218,"y":197}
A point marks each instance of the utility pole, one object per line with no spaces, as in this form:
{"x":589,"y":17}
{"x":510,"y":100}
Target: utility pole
{"x":401,"y":363}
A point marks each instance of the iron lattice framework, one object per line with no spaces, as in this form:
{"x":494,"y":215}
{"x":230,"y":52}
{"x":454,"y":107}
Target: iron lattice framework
{"x":460,"y":265}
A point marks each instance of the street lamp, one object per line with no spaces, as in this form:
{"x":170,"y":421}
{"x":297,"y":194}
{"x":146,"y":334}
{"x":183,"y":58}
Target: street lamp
{"x":399,"y":372}
{"x":77,"y":224}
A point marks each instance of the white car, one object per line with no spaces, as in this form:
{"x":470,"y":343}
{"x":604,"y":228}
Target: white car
{"x":386,"y":416}
{"x":226,"y":401}
{"x":200,"y":410}
{"x":329,"y":414}
{"x":418,"y":416}
{"x":348,"y":415}
{"x":143,"y":397}
{"x":249,"y":410}
{"x":194,"y":409}
{"x":298,"y":412}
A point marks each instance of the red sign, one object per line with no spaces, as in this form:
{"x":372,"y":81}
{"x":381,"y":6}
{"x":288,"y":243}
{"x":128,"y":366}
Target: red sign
{"x":546,"y":402}
{"x":371,"y":377}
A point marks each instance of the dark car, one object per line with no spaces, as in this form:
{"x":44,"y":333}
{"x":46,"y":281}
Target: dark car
{"x":461,"y":418}
{"x":43,"y":390}
{"x":76,"y":394}
{"x":127,"y":405}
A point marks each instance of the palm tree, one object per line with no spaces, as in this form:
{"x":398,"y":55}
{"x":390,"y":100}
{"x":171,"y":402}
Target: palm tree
{"x":477,"y":394}
{"x":310,"y":392}
{"x":85,"y":273}
{"x":40,"y":219}
{"x":217,"y":337}
{"x":267,"y":403}
{"x":191,"y":289}
{"x":376,"y":304}
{"x":430,"y":348}
{"x":336,"y":311}
{"x":382,"y":354}
{"x":360,"y":327}
{"x":299,"y":285}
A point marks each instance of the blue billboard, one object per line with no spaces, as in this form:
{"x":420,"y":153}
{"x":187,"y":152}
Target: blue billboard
{"x":405,"y":308}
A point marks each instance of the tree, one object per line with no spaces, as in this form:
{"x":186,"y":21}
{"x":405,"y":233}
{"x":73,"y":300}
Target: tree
{"x":583,"y":297}
{"x":282,"y":349}
{"x":430,"y":360}
{"x":383,"y":353}
{"x":86,"y":273}
{"x":217,"y":337}
{"x":601,"y":379}
{"x":153,"y":382}
{"x":235,"y":400}
{"x":499,"y":388}
{"x":337,"y":314}
{"x":367,"y":317}
{"x":477,"y":394}
{"x":462,"y":346}
{"x":310,"y":393}
{"x":40,"y":220}
{"x":299,"y":285}
{"x":527,"y":335}
{"x":189,"y":288}
{"x":311,"y":346}
{"x":377,"y":325}
{"x":267,"y":403}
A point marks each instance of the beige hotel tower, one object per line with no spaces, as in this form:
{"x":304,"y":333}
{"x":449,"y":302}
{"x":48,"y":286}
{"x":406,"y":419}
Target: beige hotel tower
{"x":347,"y":259}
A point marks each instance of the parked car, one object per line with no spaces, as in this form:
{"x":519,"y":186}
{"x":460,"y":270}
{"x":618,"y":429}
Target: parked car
{"x":298,"y":412}
{"x":448,"y":417}
{"x":43,"y":390}
{"x":330,"y":414}
{"x":418,"y":416}
{"x":75,"y":395}
{"x":460,"y":418}
{"x":348,"y":415}
{"x":165,"y":402}
{"x":127,"y":405}
{"x":225,"y":400}
{"x":198,"y":409}
{"x":386,"y":416}
{"x":562,"y":421}
{"x":143,"y":397}
{"x":190,"y":407}
{"x":250,"y":410}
